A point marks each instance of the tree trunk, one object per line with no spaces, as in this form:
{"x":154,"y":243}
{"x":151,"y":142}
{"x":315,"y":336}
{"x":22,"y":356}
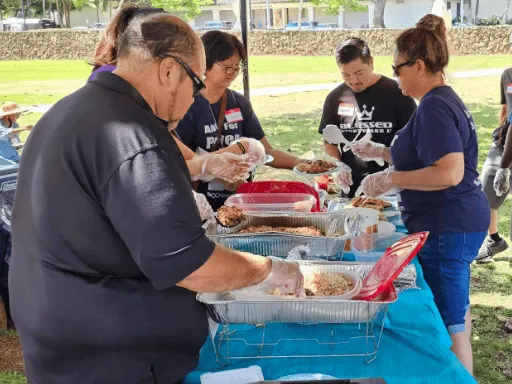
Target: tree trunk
{"x":470,"y":13}
{"x":66,"y":7}
{"x":301,"y":3}
{"x":98,"y":12}
{"x":378,"y":14}
{"x":59,"y":12}
{"x":120,"y":5}
{"x":505,"y":15}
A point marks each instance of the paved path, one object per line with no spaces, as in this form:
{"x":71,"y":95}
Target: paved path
{"x":273,"y":91}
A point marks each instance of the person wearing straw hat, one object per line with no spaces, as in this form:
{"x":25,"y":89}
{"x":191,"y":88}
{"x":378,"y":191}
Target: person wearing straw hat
{"x":10,"y":129}
{"x":9,"y":115}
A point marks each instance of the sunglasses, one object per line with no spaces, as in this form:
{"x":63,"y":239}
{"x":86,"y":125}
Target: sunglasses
{"x":396,"y":68}
{"x":196,"y":81}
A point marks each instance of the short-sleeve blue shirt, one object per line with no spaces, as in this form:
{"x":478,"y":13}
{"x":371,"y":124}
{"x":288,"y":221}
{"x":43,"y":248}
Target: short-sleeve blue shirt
{"x":441,"y":125}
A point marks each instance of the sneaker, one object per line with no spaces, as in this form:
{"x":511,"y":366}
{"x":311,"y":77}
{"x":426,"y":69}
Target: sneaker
{"x":490,"y":249}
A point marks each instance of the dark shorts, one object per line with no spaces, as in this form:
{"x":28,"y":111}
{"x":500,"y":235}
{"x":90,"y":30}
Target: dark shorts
{"x":491,"y":166}
{"x":445,"y":259}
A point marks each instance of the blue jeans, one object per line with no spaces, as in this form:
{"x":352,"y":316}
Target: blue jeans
{"x":445,"y":259}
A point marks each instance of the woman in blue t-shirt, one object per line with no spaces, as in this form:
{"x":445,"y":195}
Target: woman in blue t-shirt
{"x":435,"y":160}
{"x":199,"y":129}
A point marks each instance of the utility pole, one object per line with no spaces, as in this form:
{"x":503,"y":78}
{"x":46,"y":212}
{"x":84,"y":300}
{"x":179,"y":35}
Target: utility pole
{"x":462,"y":11}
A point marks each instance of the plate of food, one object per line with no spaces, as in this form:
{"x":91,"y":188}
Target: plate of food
{"x":317,"y":167}
{"x":324,"y":285}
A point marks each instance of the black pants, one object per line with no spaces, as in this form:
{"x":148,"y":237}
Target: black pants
{"x":4,"y":271}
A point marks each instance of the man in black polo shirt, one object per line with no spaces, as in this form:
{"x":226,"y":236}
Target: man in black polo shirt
{"x":108,"y":245}
{"x":364,"y":101}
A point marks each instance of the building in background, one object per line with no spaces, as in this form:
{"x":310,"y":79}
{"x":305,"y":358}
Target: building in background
{"x":281,"y":13}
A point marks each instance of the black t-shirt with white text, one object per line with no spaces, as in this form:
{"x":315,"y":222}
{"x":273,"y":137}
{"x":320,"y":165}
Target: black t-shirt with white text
{"x":382,"y":108}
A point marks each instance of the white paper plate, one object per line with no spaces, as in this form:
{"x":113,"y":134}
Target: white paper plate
{"x":386,"y":227}
{"x":234,"y":376}
{"x":307,"y":376}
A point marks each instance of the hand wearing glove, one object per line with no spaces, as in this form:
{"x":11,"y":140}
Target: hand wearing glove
{"x":204,"y":208}
{"x":369,"y":151}
{"x":285,"y":275}
{"x":502,"y":181}
{"x":254,"y":150}
{"x":343,"y":178}
{"x":225,"y":166}
{"x":377,"y":184}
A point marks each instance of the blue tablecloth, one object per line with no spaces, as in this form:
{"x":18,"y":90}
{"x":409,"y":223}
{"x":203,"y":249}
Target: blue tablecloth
{"x":414,"y":349}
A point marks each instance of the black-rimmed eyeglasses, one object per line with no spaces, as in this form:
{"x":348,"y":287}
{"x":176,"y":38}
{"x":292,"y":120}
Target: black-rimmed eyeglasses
{"x":396,"y":68}
{"x":196,"y":81}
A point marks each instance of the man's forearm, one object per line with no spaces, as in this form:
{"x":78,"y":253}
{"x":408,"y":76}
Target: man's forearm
{"x":503,"y":115}
{"x":506,"y":159}
{"x":226,"y":270}
{"x":282,"y":159}
{"x":332,"y":150}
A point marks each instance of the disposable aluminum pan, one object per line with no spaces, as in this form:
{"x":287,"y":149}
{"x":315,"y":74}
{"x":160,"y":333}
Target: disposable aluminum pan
{"x":280,"y":244}
{"x":224,"y":308}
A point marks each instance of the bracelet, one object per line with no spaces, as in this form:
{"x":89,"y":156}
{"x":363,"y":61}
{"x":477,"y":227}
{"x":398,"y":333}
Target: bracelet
{"x":241,"y":146}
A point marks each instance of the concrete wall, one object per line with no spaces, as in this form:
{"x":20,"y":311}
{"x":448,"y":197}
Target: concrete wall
{"x":78,"y":44}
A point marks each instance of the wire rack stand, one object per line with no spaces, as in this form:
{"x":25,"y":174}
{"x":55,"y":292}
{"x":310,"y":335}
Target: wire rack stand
{"x":263,"y":341}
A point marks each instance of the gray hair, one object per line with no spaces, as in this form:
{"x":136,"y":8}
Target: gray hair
{"x":153,"y":36}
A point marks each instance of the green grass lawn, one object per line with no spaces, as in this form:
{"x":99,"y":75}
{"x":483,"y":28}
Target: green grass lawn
{"x":291,"y":123}
{"x":44,"y":82}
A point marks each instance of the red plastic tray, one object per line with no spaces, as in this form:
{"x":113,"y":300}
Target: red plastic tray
{"x":280,"y":187}
{"x":389,"y":266}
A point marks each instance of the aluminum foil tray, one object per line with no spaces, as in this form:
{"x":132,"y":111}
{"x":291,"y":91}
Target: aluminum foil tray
{"x":332,"y":224}
{"x":224,"y":308}
{"x":272,"y":244}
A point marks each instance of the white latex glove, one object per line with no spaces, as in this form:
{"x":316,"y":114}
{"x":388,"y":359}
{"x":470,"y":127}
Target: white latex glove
{"x":254,"y":150}
{"x":204,"y":208}
{"x":285,"y":275}
{"x":343,"y":178}
{"x":369,"y":151}
{"x":225,"y":166}
{"x":502,"y":181}
{"x":377,"y":184}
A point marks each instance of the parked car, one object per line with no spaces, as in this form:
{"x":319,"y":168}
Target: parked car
{"x":99,"y":26}
{"x":326,"y":26}
{"x":216,"y":25}
{"x":304,"y":25}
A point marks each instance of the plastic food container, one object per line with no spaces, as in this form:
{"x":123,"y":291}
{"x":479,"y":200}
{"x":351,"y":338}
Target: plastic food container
{"x":370,"y":247}
{"x":322,"y":195}
{"x":272,"y":202}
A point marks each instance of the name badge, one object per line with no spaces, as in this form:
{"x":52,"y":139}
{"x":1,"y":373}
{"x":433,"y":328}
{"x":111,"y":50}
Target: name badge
{"x":234,"y":115}
{"x":345,"y":109}
{"x":509,"y":89}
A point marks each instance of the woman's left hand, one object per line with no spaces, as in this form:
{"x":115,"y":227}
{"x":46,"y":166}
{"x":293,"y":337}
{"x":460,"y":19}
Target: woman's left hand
{"x":378,"y":183}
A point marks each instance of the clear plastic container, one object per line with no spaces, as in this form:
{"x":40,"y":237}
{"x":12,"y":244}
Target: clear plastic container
{"x":370,"y":247}
{"x":272,"y":202}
